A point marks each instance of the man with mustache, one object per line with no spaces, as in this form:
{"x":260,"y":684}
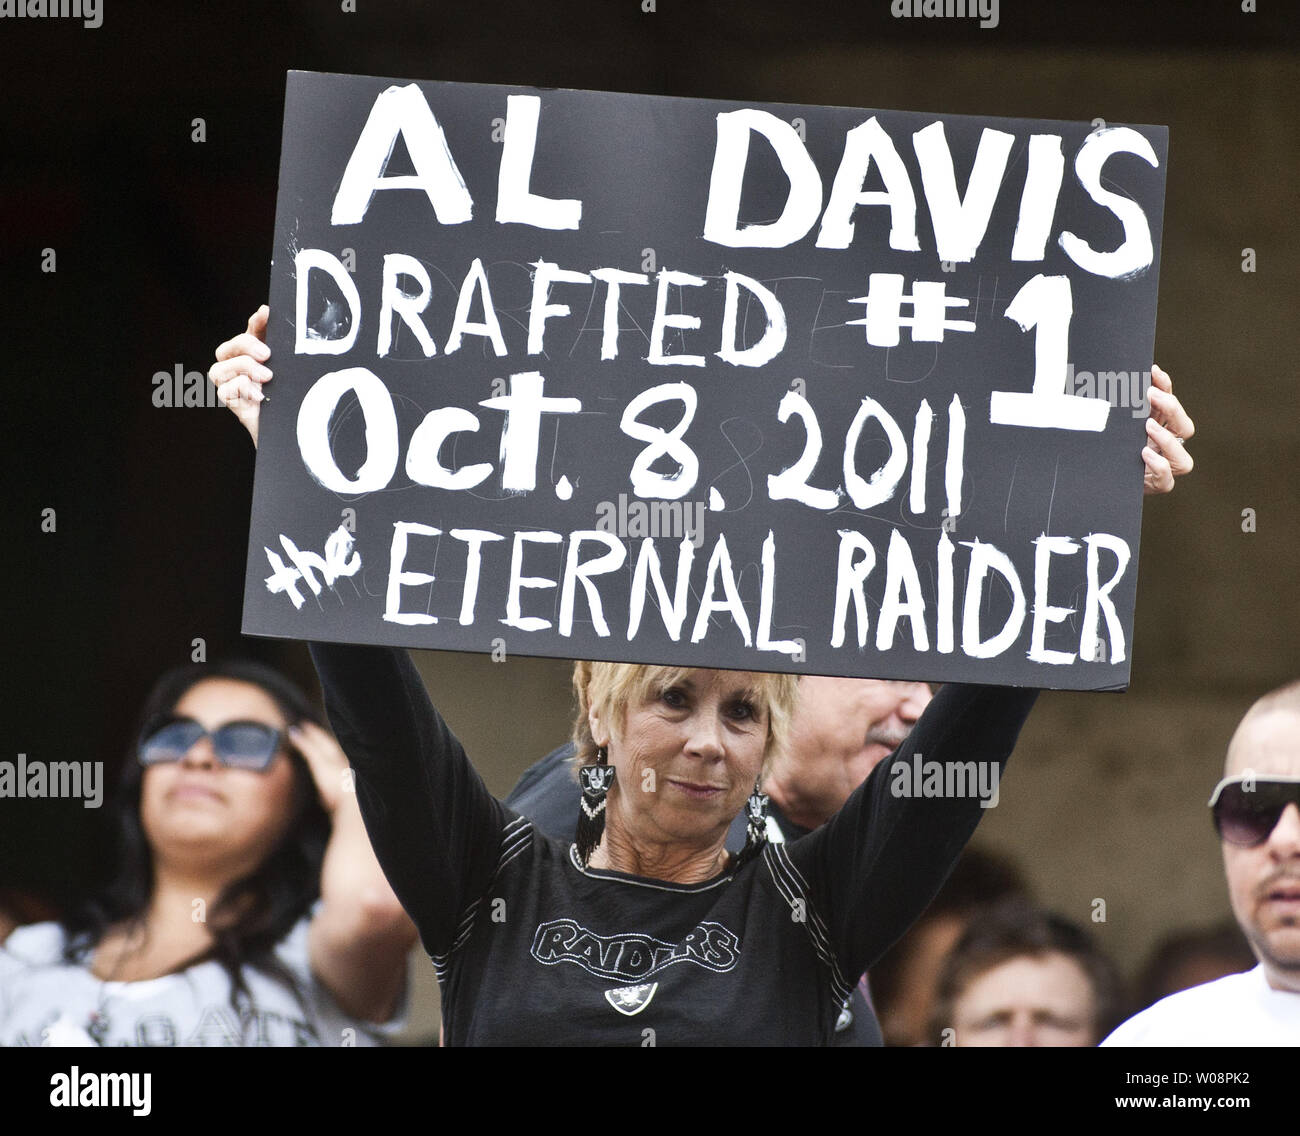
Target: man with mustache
{"x":1257,"y":813}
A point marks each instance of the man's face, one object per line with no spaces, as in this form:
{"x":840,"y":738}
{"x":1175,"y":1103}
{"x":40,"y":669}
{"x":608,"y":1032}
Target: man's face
{"x":1264,"y":881}
{"x":842,"y":729}
{"x":1028,"y":1001}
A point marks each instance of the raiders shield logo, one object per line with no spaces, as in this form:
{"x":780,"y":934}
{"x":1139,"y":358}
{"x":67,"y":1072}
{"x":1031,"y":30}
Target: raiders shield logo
{"x":631,"y":1000}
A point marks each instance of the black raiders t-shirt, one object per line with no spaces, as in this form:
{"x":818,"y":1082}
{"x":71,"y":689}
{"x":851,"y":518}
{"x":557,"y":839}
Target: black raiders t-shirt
{"x":533,"y":949}
{"x":547,"y":794}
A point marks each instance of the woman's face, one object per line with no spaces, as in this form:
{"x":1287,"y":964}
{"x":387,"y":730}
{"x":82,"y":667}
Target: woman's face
{"x":198,"y":810}
{"x":686,"y":757}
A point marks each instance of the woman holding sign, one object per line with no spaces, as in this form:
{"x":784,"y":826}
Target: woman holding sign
{"x":646,"y":930}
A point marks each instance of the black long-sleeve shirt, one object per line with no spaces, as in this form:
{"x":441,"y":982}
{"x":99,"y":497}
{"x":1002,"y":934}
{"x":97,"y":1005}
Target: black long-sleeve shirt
{"x":533,"y":949}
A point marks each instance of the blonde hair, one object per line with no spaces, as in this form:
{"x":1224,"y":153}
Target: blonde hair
{"x":610,"y":688}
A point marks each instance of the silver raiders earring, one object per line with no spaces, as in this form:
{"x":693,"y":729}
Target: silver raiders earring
{"x":756,"y":829}
{"x":595,"y":781}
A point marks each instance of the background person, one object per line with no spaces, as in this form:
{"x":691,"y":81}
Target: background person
{"x":1021,"y":977}
{"x":1256,"y":810}
{"x":233,"y":817}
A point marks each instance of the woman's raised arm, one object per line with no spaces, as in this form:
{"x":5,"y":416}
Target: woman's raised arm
{"x":434,"y":827}
{"x":360,"y":936}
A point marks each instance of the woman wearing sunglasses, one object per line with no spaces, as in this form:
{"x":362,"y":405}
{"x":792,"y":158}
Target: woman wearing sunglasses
{"x":246,"y":906}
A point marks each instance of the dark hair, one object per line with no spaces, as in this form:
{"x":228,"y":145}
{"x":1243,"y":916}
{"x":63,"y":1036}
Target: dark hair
{"x":252,"y":914}
{"x":1016,"y":929}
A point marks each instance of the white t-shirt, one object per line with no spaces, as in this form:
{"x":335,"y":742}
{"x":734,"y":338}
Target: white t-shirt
{"x":1241,"y":1009}
{"x":45,"y":1001}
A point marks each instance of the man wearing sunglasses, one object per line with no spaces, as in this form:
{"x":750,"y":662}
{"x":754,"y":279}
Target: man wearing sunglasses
{"x":1256,"y":810}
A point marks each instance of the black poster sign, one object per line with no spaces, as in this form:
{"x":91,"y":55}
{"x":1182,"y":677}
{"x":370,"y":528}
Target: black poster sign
{"x":760,"y":386}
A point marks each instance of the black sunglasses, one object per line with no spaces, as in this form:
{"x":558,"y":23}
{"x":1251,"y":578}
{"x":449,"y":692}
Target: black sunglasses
{"x":237,"y":745}
{"x":1247,"y":808}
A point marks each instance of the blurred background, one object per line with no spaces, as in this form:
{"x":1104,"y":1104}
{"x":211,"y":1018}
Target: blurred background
{"x":161,"y":250}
